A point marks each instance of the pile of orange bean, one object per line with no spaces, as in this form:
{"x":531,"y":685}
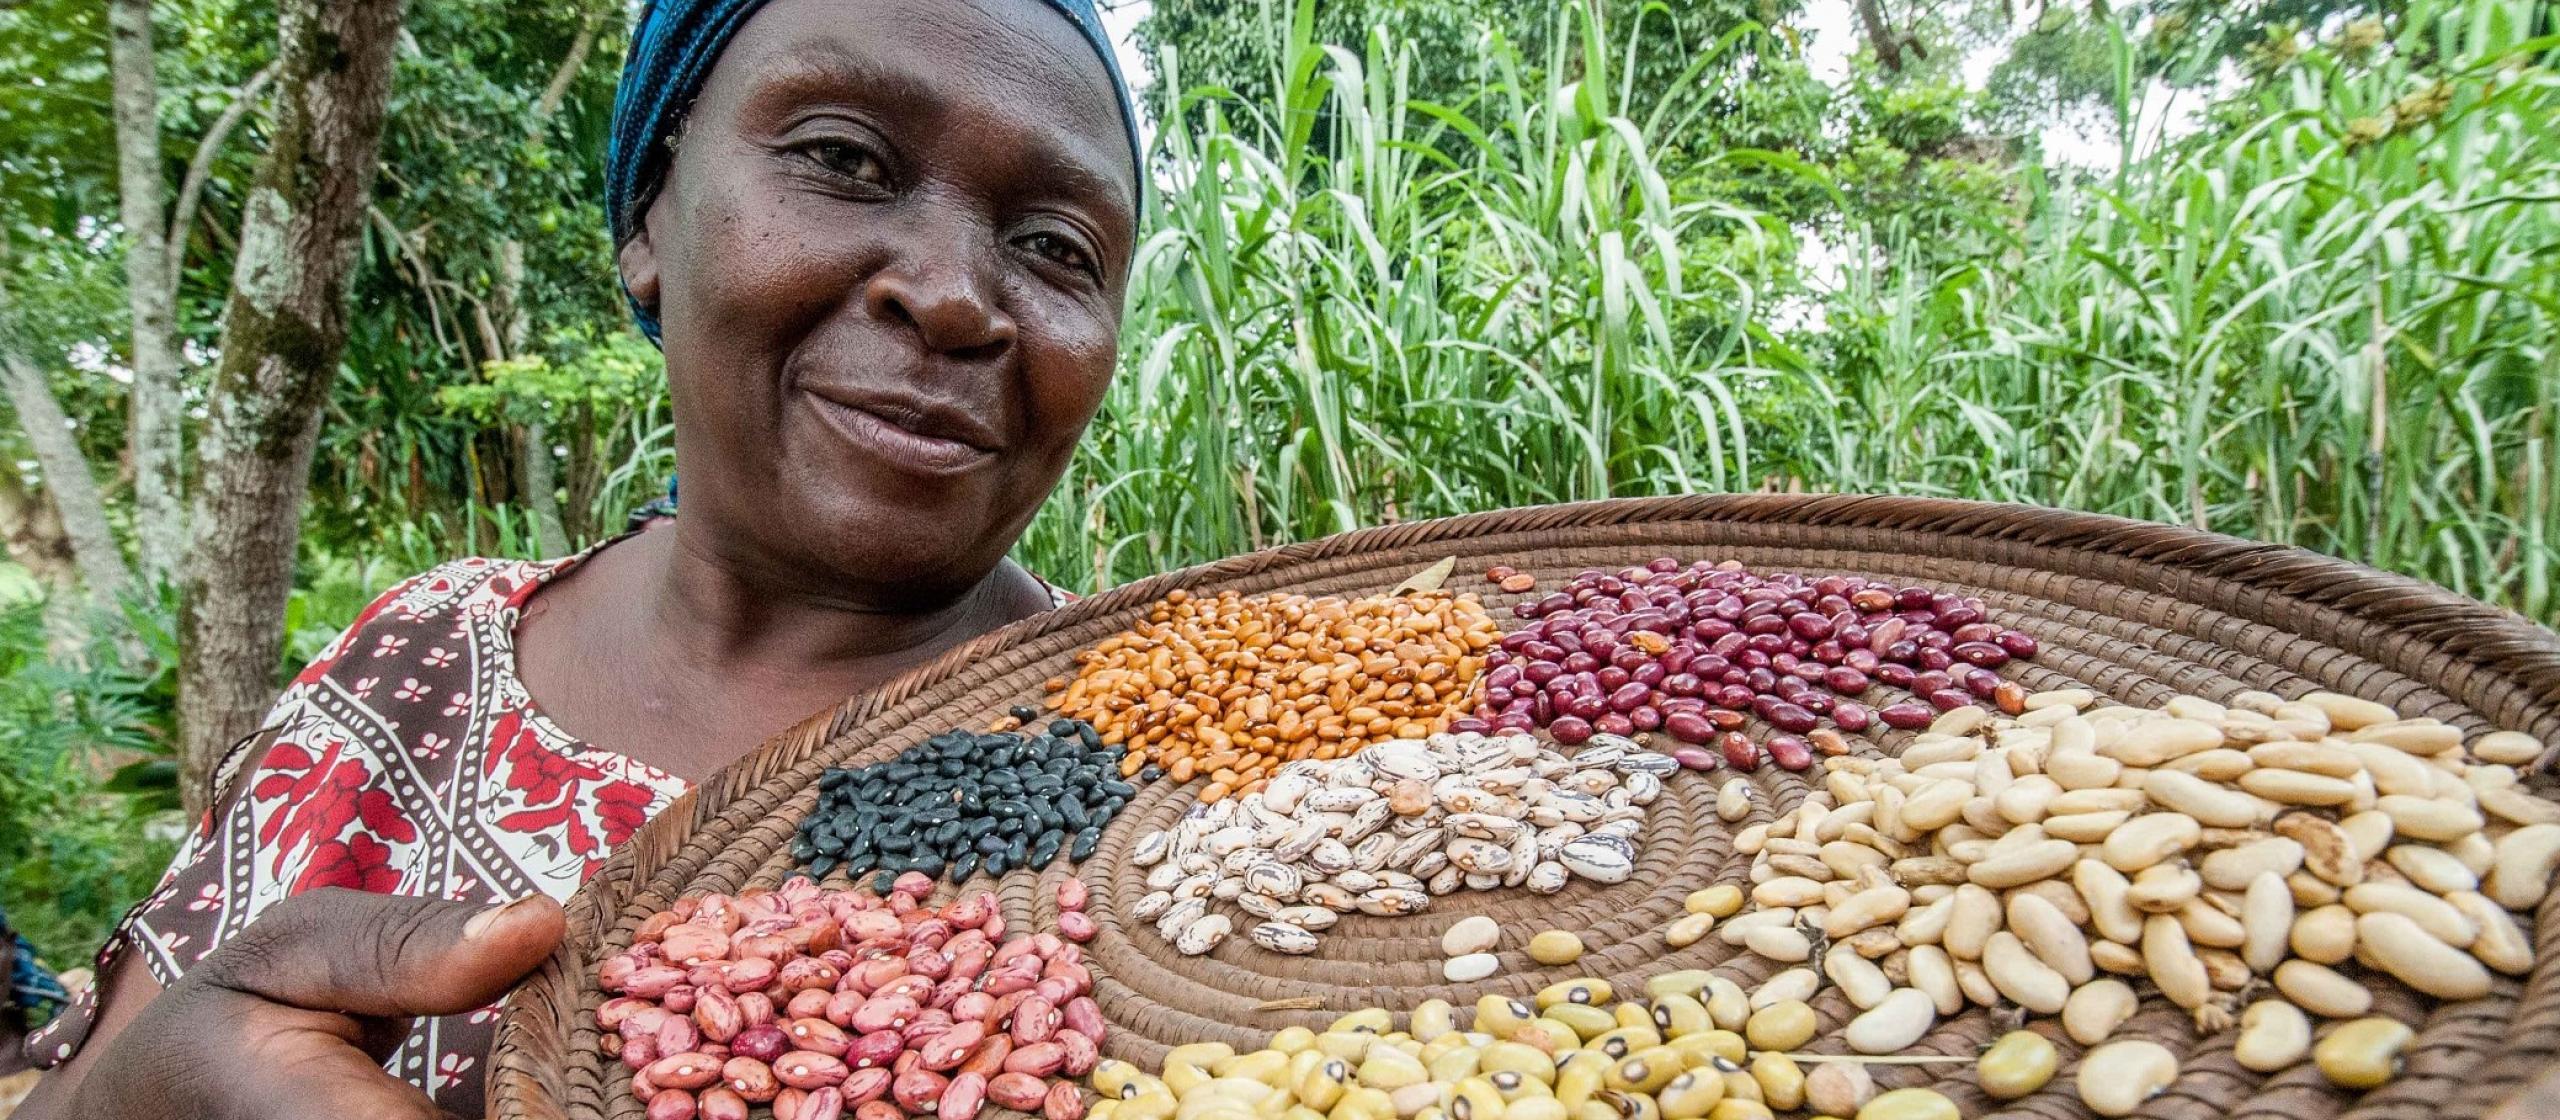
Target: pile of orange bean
{"x":1232,"y":687}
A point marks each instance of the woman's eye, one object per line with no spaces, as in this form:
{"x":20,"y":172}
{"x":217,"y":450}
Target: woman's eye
{"x":851,"y":161}
{"x":1062,"y":249}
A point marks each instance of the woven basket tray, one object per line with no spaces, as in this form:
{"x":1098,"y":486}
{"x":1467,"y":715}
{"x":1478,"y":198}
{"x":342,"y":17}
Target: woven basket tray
{"x":2139,"y":612}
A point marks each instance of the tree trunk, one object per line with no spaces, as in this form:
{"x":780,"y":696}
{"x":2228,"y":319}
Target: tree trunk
{"x":159,"y":484}
{"x":33,"y":536}
{"x":76,"y":502}
{"x":1880,"y":36}
{"x":282,"y":333}
{"x":191,"y":194}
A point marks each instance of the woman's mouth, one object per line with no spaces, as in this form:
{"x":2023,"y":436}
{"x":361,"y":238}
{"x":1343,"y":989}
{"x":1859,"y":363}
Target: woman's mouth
{"x":905,"y":438}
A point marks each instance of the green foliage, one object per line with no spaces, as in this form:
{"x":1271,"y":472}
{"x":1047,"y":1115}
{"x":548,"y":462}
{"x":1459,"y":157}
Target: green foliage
{"x":71,"y":852}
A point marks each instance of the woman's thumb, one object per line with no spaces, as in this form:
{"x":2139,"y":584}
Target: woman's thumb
{"x":386,"y":955}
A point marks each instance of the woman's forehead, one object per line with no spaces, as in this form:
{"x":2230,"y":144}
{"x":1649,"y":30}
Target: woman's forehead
{"x":1016,"y":65}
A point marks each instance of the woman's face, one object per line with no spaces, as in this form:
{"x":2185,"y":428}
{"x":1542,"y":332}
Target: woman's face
{"x":888,"y":259}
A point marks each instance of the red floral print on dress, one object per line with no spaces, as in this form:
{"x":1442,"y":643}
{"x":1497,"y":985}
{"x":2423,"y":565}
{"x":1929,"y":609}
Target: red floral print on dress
{"x":360,"y":862}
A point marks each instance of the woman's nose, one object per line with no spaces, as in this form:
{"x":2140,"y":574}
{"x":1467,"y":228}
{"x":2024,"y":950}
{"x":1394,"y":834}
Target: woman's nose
{"x":949,"y":304}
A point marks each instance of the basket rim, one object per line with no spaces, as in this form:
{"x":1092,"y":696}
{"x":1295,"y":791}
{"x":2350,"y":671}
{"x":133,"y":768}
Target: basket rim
{"x":2495,"y":639}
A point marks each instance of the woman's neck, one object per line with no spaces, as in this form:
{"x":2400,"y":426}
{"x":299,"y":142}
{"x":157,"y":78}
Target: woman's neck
{"x":685,"y":658}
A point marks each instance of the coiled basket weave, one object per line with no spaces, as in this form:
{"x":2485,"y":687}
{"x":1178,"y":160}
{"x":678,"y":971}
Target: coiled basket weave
{"x":2139,"y":612}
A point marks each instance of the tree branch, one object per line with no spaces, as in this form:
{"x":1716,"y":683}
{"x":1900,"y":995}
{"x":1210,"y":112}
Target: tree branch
{"x":200,"y":168}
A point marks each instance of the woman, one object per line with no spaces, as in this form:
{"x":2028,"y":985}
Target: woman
{"x":884,"y":244}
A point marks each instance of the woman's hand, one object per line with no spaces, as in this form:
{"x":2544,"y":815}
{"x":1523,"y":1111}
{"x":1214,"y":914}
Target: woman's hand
{"x":292,"y":1018}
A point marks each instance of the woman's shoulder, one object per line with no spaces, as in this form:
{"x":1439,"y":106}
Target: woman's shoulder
{"x":442,"y":599}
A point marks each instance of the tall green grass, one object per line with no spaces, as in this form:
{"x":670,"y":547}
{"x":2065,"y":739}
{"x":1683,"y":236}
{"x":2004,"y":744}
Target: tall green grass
{"x":2330,"y":319}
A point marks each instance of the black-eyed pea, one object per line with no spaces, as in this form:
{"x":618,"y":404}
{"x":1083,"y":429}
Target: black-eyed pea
{"x":1728,"y":1006}
{"x":1586,"y":1020}
{"x":1633,"y":1013}
{"x":1580,"y":989}
{"x":1677,"y":1016}
{"x":1514,"y":1086}
{"x":1151,"y":1104}
{"x":1585,"y":1073}
{"x":1632,"y":1106}
{"x":1533,"y":1108}
{"x":1348,"y":1045}
{"x":1292,"y":1040}
{"x":1738,"y":1084}
{"x":1182,"y":1077}
{"x":1391,"y":1069}
{"x":1781,"y":1026}
{"x":1432,"y":1019}
{"x":1593,"y":1109}
{"x":1375,"y":1020}
{"x":1410,"y":1101}
{"x":2362,"y":1054}
{"x":1685,"y":982}
{"x":2018,"y":1064}
{"x":1266,"y":1066}
{"x":1644,"y":1071}
{"x":1322,"y":1086}
{"x":1732,"y":1108}
{"x":1514,"y":1057}
{"x":1710,"y":1045}
{"x":1294,"y":1112}
{"x":1360,"y":1102}
{"x":1500,"y":1015}
{"x":1624,"y":1041}
{"x":1781,"y":1081}
{"x":1690,"y":1095}
{"x":1116,"y":1079}
{"x":1909,"y":1104}
{"x":1455,"y":1063}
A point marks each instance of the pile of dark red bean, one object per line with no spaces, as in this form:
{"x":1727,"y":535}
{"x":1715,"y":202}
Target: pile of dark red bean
{"x":1695,"y":650}
{"x":822,"y":1003}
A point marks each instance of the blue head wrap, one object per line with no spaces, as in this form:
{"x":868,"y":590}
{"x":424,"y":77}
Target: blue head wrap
{"x":673,"y":46}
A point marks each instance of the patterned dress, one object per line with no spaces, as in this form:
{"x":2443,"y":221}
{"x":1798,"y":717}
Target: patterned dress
{"x":409,"y":759}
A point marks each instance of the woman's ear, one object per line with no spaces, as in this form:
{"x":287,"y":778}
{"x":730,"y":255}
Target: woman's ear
{"x":638,"y":260}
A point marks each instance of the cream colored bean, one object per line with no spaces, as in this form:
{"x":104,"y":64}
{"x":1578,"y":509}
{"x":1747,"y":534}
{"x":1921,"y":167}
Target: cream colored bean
{"x":2104,"y":889}
{"x":2406,"y":950}
{"x":1924,"y":925}
{"x":2434,"y":915}
{"x":2115,"y":1079}
{"x":2025,"y":980}
{"x":2433,"y":868}
{"x":2324,"y":935}
{"x":1783,"y":944}
{"x":1733,"y":800}
{"x":2148,"y":839}
{"x":1975,"y":918}
{"x":1932,"y":971}
{"x":2266,"y":922}
{"x":2501,"y":944}
{"x":2041,"y":859}
{"x":2153,"y":742}
{"x":2086,"y":828}
{"x":2233,"y":869}
{"x":1796,"y":984}
{"x":1901,"y":1019}
{"x":2096,"y":1009}
{"x":2274,"y":1035}
{"x":2321,"y":990}
{"x":2416,"y":736}
{"x":2348,"y":713}
{"x":2293,"y":787}
{"x":2172,"y":963}
{"x":2051,"y":937}
{"x":2207,"y":925}
{"x":2511,"y":748}
{"x":1858,"y":978}
{"x":2526,"y":860}
{"x":2164,"y":888}
{"x":2209,"y":803}
{"x":2429,"y":818}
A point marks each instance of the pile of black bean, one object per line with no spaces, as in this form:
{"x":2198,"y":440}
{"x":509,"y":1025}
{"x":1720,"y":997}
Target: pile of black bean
{"x":964,"y":802}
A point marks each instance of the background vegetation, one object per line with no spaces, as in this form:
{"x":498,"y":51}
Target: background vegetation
{"x":1409,"y":258}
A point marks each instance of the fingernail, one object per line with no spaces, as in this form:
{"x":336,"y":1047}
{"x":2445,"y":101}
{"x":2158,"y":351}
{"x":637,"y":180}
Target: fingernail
{"x":480,"y":922}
